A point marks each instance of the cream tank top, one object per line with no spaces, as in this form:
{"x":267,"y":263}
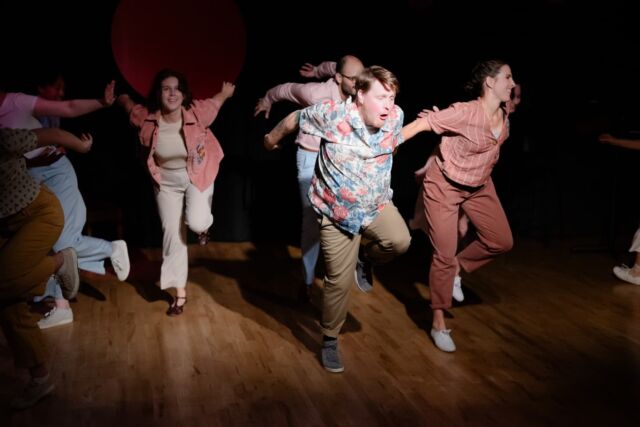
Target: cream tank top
{"x":171,"y":152}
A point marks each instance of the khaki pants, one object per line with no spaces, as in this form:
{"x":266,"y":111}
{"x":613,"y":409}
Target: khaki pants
{"x":389,"y":237}
{"x":442,"y":202}
{"x":25,"y":265}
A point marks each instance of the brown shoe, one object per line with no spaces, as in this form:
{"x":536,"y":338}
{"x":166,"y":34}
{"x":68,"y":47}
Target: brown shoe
{"x":175,"y":309}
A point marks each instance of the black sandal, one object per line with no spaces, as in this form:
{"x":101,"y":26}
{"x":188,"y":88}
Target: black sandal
{"x":175,"y":309}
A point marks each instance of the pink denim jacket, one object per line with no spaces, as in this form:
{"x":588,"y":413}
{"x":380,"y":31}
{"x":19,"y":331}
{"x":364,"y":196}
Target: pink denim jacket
{"x":204,"y":153}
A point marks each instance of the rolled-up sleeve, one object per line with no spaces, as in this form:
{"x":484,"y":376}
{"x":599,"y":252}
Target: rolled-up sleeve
{"x":313,"y":120}
{"x":206,"y":110}
{"x":453,"y":119}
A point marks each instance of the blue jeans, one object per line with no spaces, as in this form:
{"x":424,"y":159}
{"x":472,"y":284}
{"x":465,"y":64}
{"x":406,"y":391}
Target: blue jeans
{"x":310,"y":236}
{"x":61,"y":179}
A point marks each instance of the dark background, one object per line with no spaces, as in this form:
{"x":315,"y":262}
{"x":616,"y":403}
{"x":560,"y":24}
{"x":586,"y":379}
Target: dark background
{"x":577,"y":64}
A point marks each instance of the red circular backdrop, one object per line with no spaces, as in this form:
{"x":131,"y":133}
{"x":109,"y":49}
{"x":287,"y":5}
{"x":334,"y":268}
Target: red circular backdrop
{"x":205,"y":40}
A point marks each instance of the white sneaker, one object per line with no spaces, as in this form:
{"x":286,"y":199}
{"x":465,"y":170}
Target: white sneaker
{"x":457,"y":289}
{"x":442,"y":339}
{"x":624,"y":273}
{"x":120,"y":259}
{"x":56,"y":317}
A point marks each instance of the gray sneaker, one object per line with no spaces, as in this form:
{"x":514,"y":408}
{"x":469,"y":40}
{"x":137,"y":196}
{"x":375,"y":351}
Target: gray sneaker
{"x":330,"y":356}
{"x":56,"y":317}
{"x":68,"y":274}
{"x":32,"y":393}
{"x":364,"y":275}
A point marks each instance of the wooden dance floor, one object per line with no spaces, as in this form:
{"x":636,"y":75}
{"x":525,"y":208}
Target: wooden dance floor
{"x":545,"y":337}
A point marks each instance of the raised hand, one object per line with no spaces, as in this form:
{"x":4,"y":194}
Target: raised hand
{"x":262,"y":106}
{"x":228,"y":89}
{"x":109,"y":94}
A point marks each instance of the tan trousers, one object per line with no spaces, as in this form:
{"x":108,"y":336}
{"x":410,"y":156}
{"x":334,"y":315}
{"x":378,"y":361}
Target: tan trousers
{"x":25,"y":265}
{"x":442,"y":201}
{"x":389,"y":238}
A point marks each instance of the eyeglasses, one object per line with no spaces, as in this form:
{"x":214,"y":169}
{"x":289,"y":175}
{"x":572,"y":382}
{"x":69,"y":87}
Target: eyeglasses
{"x":349,"y":77}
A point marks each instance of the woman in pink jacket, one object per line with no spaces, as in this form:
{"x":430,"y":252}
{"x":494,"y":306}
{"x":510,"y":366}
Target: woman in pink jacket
{"x":184,"y":158}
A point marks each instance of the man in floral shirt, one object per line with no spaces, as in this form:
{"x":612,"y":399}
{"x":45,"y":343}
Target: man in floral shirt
{"x":350,"y":189}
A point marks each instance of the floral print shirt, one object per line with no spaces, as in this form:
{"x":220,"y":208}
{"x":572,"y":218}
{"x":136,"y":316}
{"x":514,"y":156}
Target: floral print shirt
{"x":351,"y":182}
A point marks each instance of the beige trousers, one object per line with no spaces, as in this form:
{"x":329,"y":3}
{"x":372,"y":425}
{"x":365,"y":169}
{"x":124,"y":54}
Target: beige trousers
{"x":388,"y":236}
{"x":180,"y":201}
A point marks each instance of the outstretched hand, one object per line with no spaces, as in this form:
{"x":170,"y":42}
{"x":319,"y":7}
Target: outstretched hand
{"x":606,"y":138}
{"x":262,"y":106}
{"x":425,"y":112}
{"x":86,"y":141}
{"x":109,"y":94}
{"x":307,"y":70}
{"x":228,"y":89}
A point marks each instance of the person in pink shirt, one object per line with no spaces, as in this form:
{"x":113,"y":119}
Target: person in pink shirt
{"x":419,"y":221}
{"x":458,"y":178}
{"x":183,"y":160}
{"x":338,"y":88}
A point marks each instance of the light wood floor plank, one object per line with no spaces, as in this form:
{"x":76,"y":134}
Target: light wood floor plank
{"x":545,"y":337}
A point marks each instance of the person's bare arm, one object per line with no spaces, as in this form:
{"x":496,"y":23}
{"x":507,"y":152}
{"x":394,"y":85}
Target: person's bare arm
{"x":632,"y":144}
{"x":74,"y":107}
{"x":286,"y":126}
{"x":418,"y":125}
{"x":51,"y":136}
{"x":225,"y":93}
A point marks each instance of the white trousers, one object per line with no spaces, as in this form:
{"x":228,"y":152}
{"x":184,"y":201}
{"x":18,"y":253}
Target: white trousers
{"x":176,"y":196}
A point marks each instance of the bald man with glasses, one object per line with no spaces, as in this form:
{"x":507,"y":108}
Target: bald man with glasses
{"x":338,"y":88}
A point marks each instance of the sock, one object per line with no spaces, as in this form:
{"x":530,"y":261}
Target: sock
{"x":326,"y":339}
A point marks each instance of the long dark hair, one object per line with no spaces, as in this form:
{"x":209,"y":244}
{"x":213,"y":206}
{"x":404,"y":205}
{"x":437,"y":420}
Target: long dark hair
{"x":482,"y":70}
{"x":154,"y":99}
